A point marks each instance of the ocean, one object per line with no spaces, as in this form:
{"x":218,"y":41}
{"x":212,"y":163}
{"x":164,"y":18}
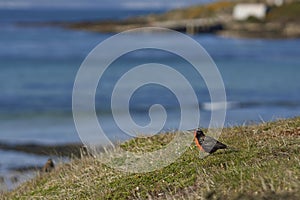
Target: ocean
{"x":38,"y":66}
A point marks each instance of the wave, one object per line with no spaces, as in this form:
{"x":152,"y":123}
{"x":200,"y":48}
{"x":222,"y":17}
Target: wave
{"x":250,"y":104}
{"x":66,"y":112}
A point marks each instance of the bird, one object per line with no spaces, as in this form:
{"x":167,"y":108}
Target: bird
{"x":49,"y":166}
{"x":206,"y":143}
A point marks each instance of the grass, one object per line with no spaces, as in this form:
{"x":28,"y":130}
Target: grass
{"x":266,"y":166}
{"x":286,"y":13}
{"x":200,"y":11}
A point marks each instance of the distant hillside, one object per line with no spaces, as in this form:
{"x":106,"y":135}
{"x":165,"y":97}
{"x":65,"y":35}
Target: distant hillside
{"x":194,"y":12}
{"x":200,"y":11}
{"x":287,"y":13}
{"x":280,"y":22}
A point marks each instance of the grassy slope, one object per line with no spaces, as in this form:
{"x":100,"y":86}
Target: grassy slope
{"x":288,"y":12}
{"x":273,"y":26}
{"x":200,"y":11}
{"x":266,"y":165}
{"x":285,"y":13}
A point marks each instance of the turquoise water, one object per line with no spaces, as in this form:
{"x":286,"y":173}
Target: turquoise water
{"x":38,"y":66}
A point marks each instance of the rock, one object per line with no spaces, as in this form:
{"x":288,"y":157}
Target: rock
{"x":49,"y":166}
{"x":292,"y":30}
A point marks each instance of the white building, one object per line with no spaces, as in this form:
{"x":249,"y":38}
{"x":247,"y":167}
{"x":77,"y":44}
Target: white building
{"x":243,"y":11}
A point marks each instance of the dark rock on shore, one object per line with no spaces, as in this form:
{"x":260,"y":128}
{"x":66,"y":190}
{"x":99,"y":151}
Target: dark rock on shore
{"x":68,"y":150}
{"x":261,"y":30}
{"x":106,"y":26}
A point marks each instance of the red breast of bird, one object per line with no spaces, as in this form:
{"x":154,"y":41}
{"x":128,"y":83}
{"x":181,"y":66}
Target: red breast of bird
{"x":206,"y":143}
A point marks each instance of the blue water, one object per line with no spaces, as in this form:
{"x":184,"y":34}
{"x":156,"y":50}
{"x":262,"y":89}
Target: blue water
{"x":38,"y":66}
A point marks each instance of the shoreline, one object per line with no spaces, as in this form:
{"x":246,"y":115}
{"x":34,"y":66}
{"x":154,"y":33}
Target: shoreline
{"x":264,"y":150}
{"x":12,"y":176}
{"x":64,"y":150}
{"x":215,"y":18}
{"x":59,"y":152}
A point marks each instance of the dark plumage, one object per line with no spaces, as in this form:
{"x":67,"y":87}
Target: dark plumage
{"x":206,"y":143}
{"x":49,"y":166}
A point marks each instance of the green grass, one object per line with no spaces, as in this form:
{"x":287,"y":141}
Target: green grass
{"x":286,"y":13}
{"x":266,"y":166}
{"x":198,"y":11}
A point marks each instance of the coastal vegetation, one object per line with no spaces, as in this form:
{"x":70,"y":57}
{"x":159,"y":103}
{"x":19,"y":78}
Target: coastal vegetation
{"x":199,"y":11}
{"x":280,"y":21}
{"x":266,"y":165}
{"x":287,"y":13}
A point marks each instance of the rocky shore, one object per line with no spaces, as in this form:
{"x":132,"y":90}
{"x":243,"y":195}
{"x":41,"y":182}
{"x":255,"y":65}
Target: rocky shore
{"x":216,"y":18}
{"x":270,"y":30}
{"x":16,"y":175}
{"x":67,"y":150}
